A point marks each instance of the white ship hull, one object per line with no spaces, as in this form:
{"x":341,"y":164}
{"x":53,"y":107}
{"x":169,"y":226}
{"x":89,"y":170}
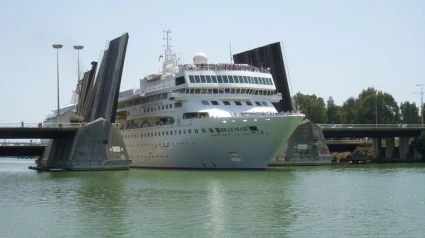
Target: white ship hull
{"x":232,"y":148}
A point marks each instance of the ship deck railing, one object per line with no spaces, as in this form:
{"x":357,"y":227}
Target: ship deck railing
{"x":226,"y":67}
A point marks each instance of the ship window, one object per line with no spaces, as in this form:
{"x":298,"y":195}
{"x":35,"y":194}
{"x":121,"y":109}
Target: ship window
{"x":163,"y":133}
{"x":184,"y":131}
{"x":214,"y":103}
{"x":231,"y":79}
{"x":258,"y":103}
{"x":155,"y":133}
{"x":208,"y":78}
{"x":226,"y":90}
{"x":180,"y":80}
{"x":177,"y":104}
{"x":204,"y":131}
{"x":249,"y":79}
{"x":240,"y":79}
{"x":197,"y":79}
{"x":238,"y":103}
{"x":141,"y":135}
{"x":180,"y":132}
{"x":166,"y":133}
{"x":171,"y":132}
{"x":265,"y":81}
{"x":171,"y":106}
{"x":203,"y":79}
{"x":166,"y":106}
{"x":245,"y":80}
{"x":225,"y":80}
{"x":151,"y":134}
{"x":189,"y":131}
{"x":271,"y":81}
{"x":191,"y":79}
{"x":243,"y":91}
{"x":226,"y":102}
{"x":214,"y":79}
{"x":159,"y":108}
{"x":196,"y":130}
{"x":215,"y":91}
{"x":211,"y":130}
{"x":205,"y":103}
{"x":219,"y":79}
{"x":148,"y":109}
{"x":162,"y":107}
{"x":264,"y":103}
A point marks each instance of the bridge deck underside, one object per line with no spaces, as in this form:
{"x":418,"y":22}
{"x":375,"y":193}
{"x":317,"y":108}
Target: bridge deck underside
{"x":36,"y":133}
{"x":21,"y":150}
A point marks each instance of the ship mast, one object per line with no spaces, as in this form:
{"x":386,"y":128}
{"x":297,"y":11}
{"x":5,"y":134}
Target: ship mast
{"x":167,"y":51}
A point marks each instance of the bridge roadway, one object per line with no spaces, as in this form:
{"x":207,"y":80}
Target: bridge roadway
{"x":374,"y":130}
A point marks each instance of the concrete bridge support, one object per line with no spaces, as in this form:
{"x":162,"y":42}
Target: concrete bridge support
{"x":389,"y":147}
{"x":376,"y":147}
{"x":96,"y":146}
{"x":403,"y":146}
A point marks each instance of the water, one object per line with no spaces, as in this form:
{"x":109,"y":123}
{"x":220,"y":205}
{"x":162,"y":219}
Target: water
{"x":328,"y":201}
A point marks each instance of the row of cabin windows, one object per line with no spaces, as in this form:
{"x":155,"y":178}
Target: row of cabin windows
{"x":229,"y":79}
{"x":188,"y":131}
{"x":237,"y":103}
{"x":143,"y":100}
{"x":157,"y":108}
{"x":154,"y":109}
{"x":224,"y":91}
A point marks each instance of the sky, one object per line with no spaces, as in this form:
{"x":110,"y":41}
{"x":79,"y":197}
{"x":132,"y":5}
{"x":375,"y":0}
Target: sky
{"x":333,"y":47}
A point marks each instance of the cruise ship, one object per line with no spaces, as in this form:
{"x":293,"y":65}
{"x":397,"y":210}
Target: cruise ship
{"x":204,"y":116}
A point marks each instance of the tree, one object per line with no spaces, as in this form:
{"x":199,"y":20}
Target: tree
{"x":349,"y":108}
{"x":312,"y":106}
{"x":409,"y":113}
{"x":334,"y":113}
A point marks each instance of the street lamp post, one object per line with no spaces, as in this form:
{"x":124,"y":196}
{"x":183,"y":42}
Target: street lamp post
{"x":57,"y":47}
{"x":376,"y":109}
{"x":78,"y":48}
{"x":422,"y":103}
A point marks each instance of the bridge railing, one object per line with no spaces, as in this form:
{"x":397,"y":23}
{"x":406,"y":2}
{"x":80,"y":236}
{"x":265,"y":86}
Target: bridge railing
{"x":40,"y":125}
{"x":366,"y":126}
{"x":9,"y":143}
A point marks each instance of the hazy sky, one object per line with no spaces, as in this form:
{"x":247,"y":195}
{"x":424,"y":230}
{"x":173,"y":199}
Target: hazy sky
{"x":333,"y":48}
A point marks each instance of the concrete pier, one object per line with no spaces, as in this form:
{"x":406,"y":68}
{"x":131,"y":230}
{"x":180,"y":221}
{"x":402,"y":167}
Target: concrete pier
{"x":403,"y":147}
{"x":389,"y":147}
{"x":376,"y":147}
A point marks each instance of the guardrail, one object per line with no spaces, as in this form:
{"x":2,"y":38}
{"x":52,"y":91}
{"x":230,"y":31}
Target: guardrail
{"x":366,"y":126}
{"x":21,"y":144}
{"x":39,"y":125}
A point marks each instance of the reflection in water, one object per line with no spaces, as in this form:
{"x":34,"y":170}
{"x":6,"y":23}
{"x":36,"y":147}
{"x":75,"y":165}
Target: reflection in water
{"x":328,"y":201}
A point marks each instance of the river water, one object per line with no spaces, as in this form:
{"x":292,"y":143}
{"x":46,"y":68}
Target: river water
{"x":326,"y":201}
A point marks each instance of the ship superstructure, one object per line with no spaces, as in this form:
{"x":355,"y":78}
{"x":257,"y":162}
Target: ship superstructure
{"x":204,"y":115}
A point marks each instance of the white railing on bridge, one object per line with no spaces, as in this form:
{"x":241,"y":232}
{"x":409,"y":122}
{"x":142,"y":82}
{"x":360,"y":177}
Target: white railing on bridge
{"x":9,"y":143}
{"x":40,"y":125}
{"x":366,"y":126}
